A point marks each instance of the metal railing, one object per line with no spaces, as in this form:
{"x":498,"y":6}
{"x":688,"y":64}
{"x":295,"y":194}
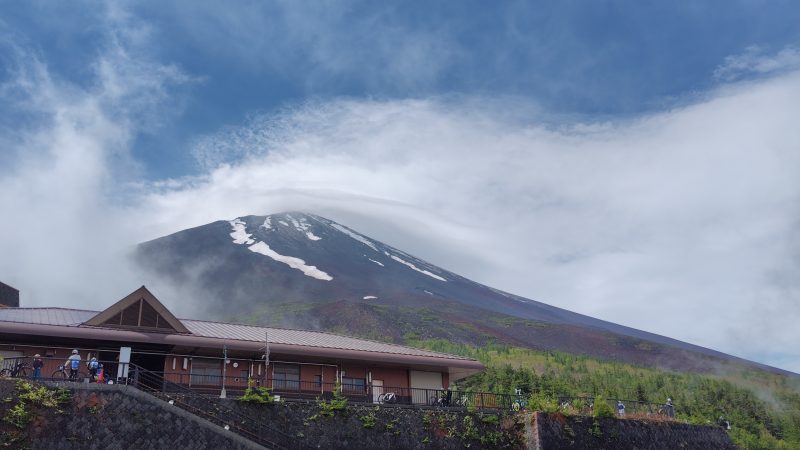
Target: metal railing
{"x":235,"y":386}
{"x":212,"y":409}
{"x":585,"y":406}
{"x":357,"y":393}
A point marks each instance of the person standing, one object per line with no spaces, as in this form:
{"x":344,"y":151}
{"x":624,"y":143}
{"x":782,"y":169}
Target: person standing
{"x":669,"y":409}
{"x":93,"y":366}
{"x":620,"y":408}
{"x":73,"y":363}
{"x":37,"y":366}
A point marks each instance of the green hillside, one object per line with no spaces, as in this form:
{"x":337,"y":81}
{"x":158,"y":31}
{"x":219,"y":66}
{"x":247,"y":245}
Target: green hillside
{"x":763,"y":408}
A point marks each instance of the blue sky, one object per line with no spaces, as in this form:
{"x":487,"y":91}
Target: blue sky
{"x":607,"y":58}
{"x":635,"y":161}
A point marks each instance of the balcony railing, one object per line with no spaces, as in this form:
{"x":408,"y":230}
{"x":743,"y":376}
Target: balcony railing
{"x":235,"y":386}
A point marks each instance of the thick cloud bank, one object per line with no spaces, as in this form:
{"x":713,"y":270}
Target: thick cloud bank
{"x":683,"y":223}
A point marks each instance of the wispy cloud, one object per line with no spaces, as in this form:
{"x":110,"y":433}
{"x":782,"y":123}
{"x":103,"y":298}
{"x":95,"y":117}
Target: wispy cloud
{"x":756,"y":60}
{"x":65,"y":170}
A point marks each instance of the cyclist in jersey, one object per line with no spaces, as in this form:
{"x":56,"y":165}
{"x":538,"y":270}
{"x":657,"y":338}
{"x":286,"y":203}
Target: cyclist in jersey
{"x":93,"y":366}
{"x":73,"y":363}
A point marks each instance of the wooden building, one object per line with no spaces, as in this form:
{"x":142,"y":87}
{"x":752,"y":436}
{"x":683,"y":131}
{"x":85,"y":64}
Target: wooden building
{"x":210,"y":356}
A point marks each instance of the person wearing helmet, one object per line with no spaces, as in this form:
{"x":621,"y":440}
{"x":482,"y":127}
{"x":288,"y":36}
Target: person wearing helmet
{"x":73,"y":363}
{"x":37,"y":366}
{"x":93,"y":366}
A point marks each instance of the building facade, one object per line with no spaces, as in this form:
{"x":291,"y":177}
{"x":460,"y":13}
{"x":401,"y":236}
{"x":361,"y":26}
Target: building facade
{"x":215,"y":356}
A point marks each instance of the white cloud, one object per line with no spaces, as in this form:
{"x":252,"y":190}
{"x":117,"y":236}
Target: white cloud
{"x":756,"y":61}
{"x":681,"y":223}
{"x":62,"y":234}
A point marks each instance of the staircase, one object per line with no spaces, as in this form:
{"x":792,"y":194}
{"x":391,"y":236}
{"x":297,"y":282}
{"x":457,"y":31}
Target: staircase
{"x":213,"y":410}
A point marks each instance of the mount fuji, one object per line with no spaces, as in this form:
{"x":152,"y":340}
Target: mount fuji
{"x":301,"y":270}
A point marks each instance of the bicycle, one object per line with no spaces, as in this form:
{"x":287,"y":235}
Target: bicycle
{"x":62,"y":374}
{"x":388,"y":397}
{"x":462,"y":401}
{"x":441,"y":399}
{"x":20,"y":370}
{"x":519,"y":403}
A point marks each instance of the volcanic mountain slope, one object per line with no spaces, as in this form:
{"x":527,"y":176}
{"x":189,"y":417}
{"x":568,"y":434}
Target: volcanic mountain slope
{"x":302,"y":270}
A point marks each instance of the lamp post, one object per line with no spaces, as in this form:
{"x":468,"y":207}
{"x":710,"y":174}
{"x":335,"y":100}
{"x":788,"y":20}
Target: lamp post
{"x":222,"y":393}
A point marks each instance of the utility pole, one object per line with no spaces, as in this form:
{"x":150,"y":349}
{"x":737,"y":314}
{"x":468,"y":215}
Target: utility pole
{"x":222,"y":393}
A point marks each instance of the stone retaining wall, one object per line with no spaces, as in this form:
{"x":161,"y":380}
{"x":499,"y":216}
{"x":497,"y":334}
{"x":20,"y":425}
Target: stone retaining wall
{"x":120,"y":417}
{"x":558,"y":432}
{"x":116,"y":418}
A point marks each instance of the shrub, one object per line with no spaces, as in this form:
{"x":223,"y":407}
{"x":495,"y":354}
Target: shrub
{"x":368,"y":420}
{"x":18,"y":415}
{"x":337,"y":403}
{"x":602,"y":408}
{"x":543,"y":403}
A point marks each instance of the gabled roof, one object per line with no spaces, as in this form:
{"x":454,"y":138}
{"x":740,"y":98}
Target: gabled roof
{"x":228,"y":332}
{"x":140,"y":309}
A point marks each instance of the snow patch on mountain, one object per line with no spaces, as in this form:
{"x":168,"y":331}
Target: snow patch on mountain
{"x":240,"y":234}
{"x":355,"y":236}
{"x":303,"y":227}
{"x":242,"y":237}
{"x":376,"y":262}
{"x":370,"y":297}
{"x":295,"y":263}
{"x":401,"y":261}
{"x":267,"y":223}
{"x":283,"y":222}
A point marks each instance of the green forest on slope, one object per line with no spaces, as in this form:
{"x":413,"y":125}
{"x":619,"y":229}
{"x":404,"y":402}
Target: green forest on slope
{"x":762,"y":407}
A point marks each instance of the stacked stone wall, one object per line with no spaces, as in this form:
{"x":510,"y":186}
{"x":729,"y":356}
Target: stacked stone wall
{"x":559,"y":432}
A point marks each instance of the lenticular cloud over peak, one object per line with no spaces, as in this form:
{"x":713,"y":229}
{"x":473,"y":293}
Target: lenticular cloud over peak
{"x":677,"y":215}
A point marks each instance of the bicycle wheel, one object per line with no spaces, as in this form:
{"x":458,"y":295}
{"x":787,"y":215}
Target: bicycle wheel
{"x":5,"y":373}
{"x":59,"y":375}
{"x":22,"y":372}
{"x":382,"y":398}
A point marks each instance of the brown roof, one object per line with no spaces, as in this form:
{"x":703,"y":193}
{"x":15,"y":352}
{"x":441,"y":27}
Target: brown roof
{"x":65,"y":317}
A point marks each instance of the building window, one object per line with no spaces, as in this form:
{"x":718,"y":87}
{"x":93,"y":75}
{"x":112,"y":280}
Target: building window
{"x":206,"y":372}
{"x":353,"y":384}
{"x":286,"y":377}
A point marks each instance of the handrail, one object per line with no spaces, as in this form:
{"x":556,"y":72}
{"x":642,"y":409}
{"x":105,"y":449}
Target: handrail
{"x":364,"y":393}
{"x":585,"y":404}
{"x":243,"y":424}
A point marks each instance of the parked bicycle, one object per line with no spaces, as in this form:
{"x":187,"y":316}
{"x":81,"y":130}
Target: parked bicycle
{"x":462,"y":400}
{"x":387,"y":397}
{"x":20,"y":370}
{"x":63,"y":374}
{"x":441,"y":399}
{"x":520,"y":402}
